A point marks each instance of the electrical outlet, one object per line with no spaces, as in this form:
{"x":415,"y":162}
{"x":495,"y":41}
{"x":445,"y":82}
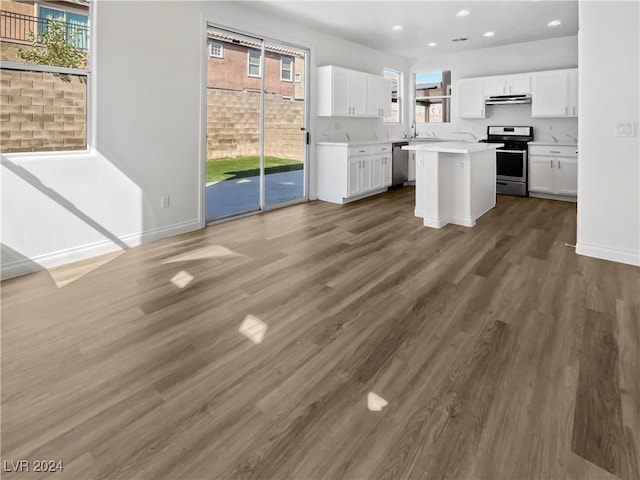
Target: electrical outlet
{"x":164,"y":201}
{"x":625,"y":129}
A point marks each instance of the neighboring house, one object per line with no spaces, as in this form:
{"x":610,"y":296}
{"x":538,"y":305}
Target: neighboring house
{"x":433,"y":100}
{"x":236,"y":66}
{"x":19,"y":17}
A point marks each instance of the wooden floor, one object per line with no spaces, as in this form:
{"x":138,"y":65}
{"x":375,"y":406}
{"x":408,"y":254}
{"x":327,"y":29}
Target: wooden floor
{"x":501,"y":353}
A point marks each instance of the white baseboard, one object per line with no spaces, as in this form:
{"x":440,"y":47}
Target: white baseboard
{"x":82,"y":252}
{"x":612,"y":254}
{"x":439,"y":222}
{"x":548,"y":196}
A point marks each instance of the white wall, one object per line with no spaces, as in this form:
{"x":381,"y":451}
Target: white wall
{"x":609,"y":166}
{"x":148,"y":73}
{"x":516,"y":58}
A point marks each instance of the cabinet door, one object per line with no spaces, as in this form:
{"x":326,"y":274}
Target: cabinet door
{"x":385,"y":97}
{"x":495,"y":86}
{"x":566,"y":176}
{"x":353,"y":177}
{"x":412,"y":166}
{"x":541,"y":174}
{"x":573,"y":93}
{"x":340,"y":92}
{"x":377,"y":172}
{"x":373,"y":96}
{"x":366,"y":175}
{"x":519,"y":84}
{"x":471,"y":98}
{"x":358,"y":93}
{"x":386,"y":171}
{"x":550,"y":94}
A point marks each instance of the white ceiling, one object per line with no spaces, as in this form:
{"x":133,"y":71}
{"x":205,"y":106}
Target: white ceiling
{"x":369,"y":22}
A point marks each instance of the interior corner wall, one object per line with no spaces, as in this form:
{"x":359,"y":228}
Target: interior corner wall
{"x":609,"y":165}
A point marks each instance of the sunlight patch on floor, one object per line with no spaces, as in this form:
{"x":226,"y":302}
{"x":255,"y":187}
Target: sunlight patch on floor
{"x":182,"y":279}
{"x":69,"y":273}
{"x":253,"y":328}
{"x":375,"y":403}
{"x":203,"y":253}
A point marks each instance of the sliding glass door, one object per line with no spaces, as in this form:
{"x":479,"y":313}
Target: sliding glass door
{"x":256,"y":124}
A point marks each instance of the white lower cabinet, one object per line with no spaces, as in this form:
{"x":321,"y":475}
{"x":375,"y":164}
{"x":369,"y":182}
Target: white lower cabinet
{"x":553,"y":170}
{"x":348,"y":172}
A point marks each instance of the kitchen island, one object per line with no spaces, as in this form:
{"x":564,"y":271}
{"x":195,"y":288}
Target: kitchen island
{"x":455,"y":182}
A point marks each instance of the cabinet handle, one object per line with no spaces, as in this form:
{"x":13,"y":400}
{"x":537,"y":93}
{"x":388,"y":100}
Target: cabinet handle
{"x":362,"y":151}
{"x":558,"y":164}
{"x":566,"y":110}
{"x":554,"y":151}
{"x":574,"y":110}
{"x":551,"y":163}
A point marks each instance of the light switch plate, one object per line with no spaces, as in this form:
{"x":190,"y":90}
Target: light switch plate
{"x":625,"y":129}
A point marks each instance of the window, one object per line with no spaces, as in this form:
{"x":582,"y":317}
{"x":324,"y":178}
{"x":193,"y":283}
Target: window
{"x":253,"y":65}
{"x":298,"y":77}
{"x":49,"y":53}
{"x":76,"y":25}
{"x":286,"y":68}
{"x":396,"y":94}
{"x":433,"y":97}
{"x":216,"y":49}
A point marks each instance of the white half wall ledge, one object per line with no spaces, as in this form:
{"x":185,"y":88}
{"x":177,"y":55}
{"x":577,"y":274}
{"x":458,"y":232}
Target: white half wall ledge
{"x":83,"y":252}
{"x":605,"y":253}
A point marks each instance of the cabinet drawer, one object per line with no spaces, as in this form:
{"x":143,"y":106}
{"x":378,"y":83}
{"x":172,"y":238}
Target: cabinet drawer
{"x":361,"y":150}
{"x":384,"y":148}
{"x":551,"y":151}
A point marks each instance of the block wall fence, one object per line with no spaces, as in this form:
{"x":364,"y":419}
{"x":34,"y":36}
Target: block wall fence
{"x":41,"y":111}
{"x":233,"y":125}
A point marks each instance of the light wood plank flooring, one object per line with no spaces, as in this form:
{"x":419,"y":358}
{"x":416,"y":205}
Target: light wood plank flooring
{"x":501,"y":353}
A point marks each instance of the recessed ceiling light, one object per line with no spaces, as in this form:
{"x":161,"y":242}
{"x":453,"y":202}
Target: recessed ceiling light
{"x":431,"y":44}
{"x":396,"y":28}
{"x":463,"y":13}
{"x":488,"y":34}
{"x":554,"y":23}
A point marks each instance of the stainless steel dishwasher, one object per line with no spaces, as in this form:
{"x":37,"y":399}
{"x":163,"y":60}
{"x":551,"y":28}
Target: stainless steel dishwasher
{"x":399,"y":164}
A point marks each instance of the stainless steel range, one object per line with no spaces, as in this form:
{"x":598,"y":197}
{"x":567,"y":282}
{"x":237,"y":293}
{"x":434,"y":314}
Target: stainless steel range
{"x":511,"y":160}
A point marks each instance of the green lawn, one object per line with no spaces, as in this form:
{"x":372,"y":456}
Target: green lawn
{"x":221,"y":169}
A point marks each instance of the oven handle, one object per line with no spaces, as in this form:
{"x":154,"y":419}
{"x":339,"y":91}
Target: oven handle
{"x":510,"y":151}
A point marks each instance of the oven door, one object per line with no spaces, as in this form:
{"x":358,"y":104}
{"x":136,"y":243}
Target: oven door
{"x":511,"y":165}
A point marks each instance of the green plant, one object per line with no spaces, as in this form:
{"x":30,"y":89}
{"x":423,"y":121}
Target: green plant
{"x":55,"y":46}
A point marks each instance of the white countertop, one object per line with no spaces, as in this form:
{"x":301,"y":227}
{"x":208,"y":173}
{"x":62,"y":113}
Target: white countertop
{"x":454,"y":147}
{"x":359,"y":143}
{"x":554,"y":144}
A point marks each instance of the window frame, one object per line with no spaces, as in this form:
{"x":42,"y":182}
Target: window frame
{"x":291,"y":73}
{"x":399,"y":96}
{"x":80,"y":72}
{"x":259,"y":53}
{"x":213,"y":43}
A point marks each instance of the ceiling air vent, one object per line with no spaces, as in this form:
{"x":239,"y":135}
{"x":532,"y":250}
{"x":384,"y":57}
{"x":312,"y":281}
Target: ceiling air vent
{"x":461,"y":39}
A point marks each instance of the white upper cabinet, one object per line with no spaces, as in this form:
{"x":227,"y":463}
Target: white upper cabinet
{"x":348,"y":93}
{"x":378,"y":96}
{"x":471,"y":98}
{"x":554,"y":93}
{"x":517,"y":84}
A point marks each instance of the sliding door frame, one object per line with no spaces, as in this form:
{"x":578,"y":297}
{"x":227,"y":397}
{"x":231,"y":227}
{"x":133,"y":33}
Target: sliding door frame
{"x":203,"y":128}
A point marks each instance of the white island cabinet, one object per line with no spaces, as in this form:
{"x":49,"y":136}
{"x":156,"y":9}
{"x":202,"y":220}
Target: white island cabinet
{"x":455,"y":182}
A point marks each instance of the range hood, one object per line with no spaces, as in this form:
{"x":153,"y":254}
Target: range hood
{"x":508,"y":99}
